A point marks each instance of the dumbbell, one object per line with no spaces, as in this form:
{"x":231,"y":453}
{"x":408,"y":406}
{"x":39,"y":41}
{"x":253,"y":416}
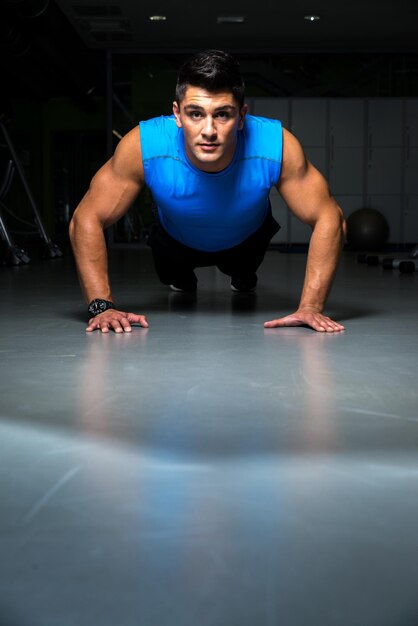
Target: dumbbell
{"x":408,"y":267}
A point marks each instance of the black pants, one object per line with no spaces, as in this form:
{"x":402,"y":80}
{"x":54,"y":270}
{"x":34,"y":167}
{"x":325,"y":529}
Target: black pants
{"x":175,"y":263}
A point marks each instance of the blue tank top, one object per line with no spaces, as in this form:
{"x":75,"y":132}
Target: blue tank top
{"x":211,"y":211}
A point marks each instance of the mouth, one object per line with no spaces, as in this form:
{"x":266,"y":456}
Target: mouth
{"x":208,"y":147}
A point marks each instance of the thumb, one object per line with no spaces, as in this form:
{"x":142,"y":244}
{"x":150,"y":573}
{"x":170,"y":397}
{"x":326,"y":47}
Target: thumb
{"x":276,"y":323}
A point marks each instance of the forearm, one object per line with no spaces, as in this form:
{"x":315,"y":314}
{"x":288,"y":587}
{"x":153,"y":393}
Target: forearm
{"x":324,"y":252}
{"x":89,"y":247}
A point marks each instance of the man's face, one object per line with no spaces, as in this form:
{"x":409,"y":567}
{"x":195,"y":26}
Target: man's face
{"x":210,"y":122}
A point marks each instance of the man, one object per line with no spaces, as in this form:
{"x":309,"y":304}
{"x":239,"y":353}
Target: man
{"x":210,"y":168}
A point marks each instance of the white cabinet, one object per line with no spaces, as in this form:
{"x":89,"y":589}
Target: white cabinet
{"x":273,"y":108}
{"x":411,"y":121}
{"x":411,"y":169}
{"x":385,"y":139}
{"x":390,"y":206}
{"x":346,"y":171}
{"x":385,"y":171}
{"x":347,"y":121}
{"x":410,"y":211}
{"x":349,"y":203}
{"x":366,"y":148}
{"x":385,"y":124}
{"x":346,"y":151}
{"x":309,"y":121}
{"x":410,"y":220}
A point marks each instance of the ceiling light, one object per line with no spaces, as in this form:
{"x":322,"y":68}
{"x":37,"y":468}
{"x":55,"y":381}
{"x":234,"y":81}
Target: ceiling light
{"x":230,"y":19}
{"x":158,"y":18}
{"x":312,"y":18}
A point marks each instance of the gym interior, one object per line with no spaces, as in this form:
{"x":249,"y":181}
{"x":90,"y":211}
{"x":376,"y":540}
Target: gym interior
{"x":207,"y":470}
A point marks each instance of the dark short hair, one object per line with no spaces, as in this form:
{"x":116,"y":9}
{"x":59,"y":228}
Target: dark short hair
{"x":213,"y":70}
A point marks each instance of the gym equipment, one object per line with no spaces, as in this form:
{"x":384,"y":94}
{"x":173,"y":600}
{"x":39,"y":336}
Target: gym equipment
{"x":15,"y":255}
{"x":382,"y":259}
{"x":405,"y":264}
{"x":408,"y":267}
{"x":367,"y":229}
{"x":371,"y":259}
{"x":405,"y":261}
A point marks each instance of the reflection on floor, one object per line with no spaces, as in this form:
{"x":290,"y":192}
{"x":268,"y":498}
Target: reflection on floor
{"x":206,"y":471}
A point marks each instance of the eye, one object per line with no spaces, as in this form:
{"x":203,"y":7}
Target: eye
{"x":223,"y":115}
{"x":195,"y":115}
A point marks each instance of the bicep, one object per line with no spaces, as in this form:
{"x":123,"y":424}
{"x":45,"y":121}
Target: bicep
{"x":302,"y":186}
{"x":116,"y":185}
{"x":110,"y":195}
{"x":306,"y":194}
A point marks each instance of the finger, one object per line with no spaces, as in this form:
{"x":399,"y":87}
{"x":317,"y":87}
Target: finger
{"x":93,"y":325}
{"x":336,"y":328}
{"x":96,"y":323}
{"x":338,"y":325}
{"x":319,"y":327}
{"x":327,"y":326}
{"x":330,"y":326}
{"x":322,"y":324}
{"x":121,"y":324}
{"x":115,"y":325}
{"x":133,"y":318}
{"x":99,"y":324}
{"x":125,"y":325}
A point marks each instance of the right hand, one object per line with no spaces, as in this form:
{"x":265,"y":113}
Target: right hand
{"x":119,"y":321}
{"x":307,"y":317}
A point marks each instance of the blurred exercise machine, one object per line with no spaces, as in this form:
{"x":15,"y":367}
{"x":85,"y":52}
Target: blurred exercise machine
{"x":13,"y":254}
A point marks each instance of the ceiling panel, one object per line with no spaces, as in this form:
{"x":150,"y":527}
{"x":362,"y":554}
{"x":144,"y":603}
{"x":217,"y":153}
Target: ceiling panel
{"x":358,"y":25}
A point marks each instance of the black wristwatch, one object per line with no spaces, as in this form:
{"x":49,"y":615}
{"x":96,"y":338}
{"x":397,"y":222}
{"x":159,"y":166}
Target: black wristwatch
{"x":99,"y":306}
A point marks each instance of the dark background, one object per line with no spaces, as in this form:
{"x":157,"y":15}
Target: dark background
{"x":68,"y":68}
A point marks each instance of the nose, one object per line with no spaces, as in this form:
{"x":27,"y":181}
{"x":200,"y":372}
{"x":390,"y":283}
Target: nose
{"x":209,"y":129}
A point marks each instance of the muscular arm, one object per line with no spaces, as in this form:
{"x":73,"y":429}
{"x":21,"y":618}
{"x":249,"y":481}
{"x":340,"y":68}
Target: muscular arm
{"x":306,"y":193}
{"x":111,"y":193}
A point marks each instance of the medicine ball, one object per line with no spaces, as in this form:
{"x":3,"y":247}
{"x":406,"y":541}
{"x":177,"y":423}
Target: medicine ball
{"x":367,"y":229}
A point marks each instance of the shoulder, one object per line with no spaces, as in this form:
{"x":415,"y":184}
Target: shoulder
{"x":158,"y":136}
{"x":126,"y":161}
{"x":263,"y":137}
{"x":163,"y":123}
{"x":258,"y":120}
{"x":259,"y":126}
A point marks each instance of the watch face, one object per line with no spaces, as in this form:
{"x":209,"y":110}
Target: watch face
{"x":99,"y":306}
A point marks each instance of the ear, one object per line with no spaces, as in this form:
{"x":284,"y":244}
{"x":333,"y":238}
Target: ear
{"x":176,"y":112}
{"x":242,"y":115}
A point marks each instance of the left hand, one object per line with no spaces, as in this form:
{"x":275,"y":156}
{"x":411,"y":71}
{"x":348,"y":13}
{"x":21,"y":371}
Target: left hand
{"x":119,"y":321}
{"x":303,"y":317}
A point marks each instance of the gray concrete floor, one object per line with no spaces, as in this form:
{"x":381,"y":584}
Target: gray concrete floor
{"x":206,"y":471}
